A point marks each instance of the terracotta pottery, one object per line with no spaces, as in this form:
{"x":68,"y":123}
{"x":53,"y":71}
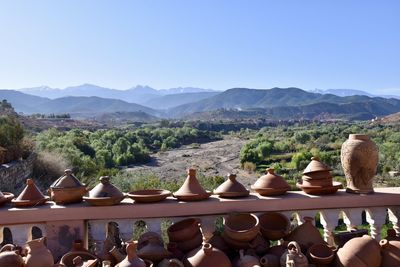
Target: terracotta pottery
{"x":38,"y":254}
{"x":320,"y":190}
{"x":293,"y":256}
{"x":259,"y":245}
{"x":11,"y":259}
{"x":391,"y":235}
{"x":390,"y":252}
{"x":306,"y":235}
{"x":104,"y":194}
{"x":231,"y":188}
{"x":176,"y":252}
{"x":359,"y":156}
{"x":242,"y":227}
{"x":131,"y":259}
{"x":218,"y":242}
{"x":361,"y":252}
{"x":270,"y":260}
{"x":274,"y":225}
{"x":76,"y":250}
{"x":30,"y":196}
{"x":191,"y":190}
{"x":316,"y":166}
{"x":152,"y":249}
{"x":149,"y":195}
{"x":79,"y":262}
{"x":190,"y":244}
{"x":67,"y":189}
{"x":5,"y":197}
{"x":271,"y":184}
{"x":342,"y":237}
{"x":8,"y":247}
{"x":170,"y":263}
{"x":207,"y":256}
{"x":184,"y":230}
{"x":278,"y":250}
{"x":320,"y":254}
{"x":247,"y":260}
{"x":235,"y":244}
{"x":116,"y":253}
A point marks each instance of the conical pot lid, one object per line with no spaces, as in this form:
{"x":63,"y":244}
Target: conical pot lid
{"x":105,"y":189}
{"x":231,"y":185}
{"x":68,"y":180}
{"x":316,"y":166}
{"x":270,"y":180}
{"x":191,"y":186}
{"x":30,"y":192}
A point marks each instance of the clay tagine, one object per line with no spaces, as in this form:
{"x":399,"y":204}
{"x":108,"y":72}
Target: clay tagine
{"x":67,"y":189}
{"x":149,"y":195}
{"x":191,"y":190}
{"x":207,"y":256}
{"x":242,"y":227}
{"x":5,"y":197}
{"x":30,"y":196}
{"x":231,"y":188}
{"x":270,"y":184}
{"x":274,"y":225}
{"x":317,"y":179}
{"x":104,"y":194}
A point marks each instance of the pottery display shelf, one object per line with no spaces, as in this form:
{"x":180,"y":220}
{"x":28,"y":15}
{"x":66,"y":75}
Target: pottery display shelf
{"x":81,"y":220}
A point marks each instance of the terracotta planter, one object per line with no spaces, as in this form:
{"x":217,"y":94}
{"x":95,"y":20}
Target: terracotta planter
{"x":361,"y":252}
{"x":76,"y":250}
{"x":11,"y":259}
{"x":270,"y":260}
{"x":207,"y":256}
{"x":104,"y":194}
{"x":191,"y":190}
{"x":30,"y":196}
{"x":293,"y":256}
{"x":359,"y":158}
{"x":270,"y":184}
{"x":274,"y":225}
{"x":390,"y":253}
{"x":184,"y":230}
{"x":131,"y":259}
{"x":231,"y":188}
{"x":38,"y":254}
{"x":67,"y":189}
{"x":320,"y":254}
{"x":242,"y":227}
{"x":149,"y":195}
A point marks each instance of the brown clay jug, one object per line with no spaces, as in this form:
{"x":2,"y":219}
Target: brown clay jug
{"x":359,"y":156}
{"x":361,"y":252}
{"x":131,"y":259}
{"x":38,"y":254}
{"x":170,"y":263}
{"x":207,"y":256}
{"x":11,"y":258}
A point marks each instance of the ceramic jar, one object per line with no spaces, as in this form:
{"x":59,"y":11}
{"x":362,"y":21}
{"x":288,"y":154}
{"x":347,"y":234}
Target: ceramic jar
{"x":390,"y":252}
{"x":242,"y":227}
{"x":191,"y":190}
{"x":30,"y":196}
{"x":11,"y":258}
{"x":131,"y":259}
{"x":38,"y":254}
{"x":104,"y":194}
{"x":361,"y":252}
{"x":293,"y":257}
{"x":274,"y":225}
{"x":271,"y":184}
{"x":67,"y":189}
{"x":207,"y":256}
{"x":359,"y":156}
{"x":231,"y":188}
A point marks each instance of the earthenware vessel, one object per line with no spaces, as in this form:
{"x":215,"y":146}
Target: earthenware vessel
{"x":342,"y":237}
{"x":231,"y":188}
{"x":278,"y":250}
{"x":190,"y":244}
{"x":361,"y":252}
{"x":191,"y":190}
{"x":104,"y":194}
{"x":11,"y":259}
{"x":206,"y":256}
{"x":274,"y":225}
{"x":5,"y":197}
{"x":67,"y":189}
{"x":270,"y":260}
{"x":259,"y":245}
{"x":293,"y":257}
{"x":38,"y":254}
{"x":30,"y":196}
{"x":271,"y":184}
{"x":176,"y":252}
{"x":149,"y":195}
{"x":79,"y":262}
{"x":131,"y":259}
{"x":235,"y":244}
{"x":359,"y":156}
{"x":152,"y":249}
{"x":170,"y":263}
{"x":242,"y":227}
{"x":218,"y":242}
{"x":76,"y":250}
{"x":390,"y":252}
{"x":247,"y":260}
{"x":184,"y":230}
{"x":320,"y":254}
{"x":116,"y":253}
{"x":306,"y":235}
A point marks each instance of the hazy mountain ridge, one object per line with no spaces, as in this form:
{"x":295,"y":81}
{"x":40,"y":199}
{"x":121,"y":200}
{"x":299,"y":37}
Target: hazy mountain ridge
{"x":351,"y":92}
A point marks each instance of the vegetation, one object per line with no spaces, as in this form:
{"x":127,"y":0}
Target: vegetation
{"x":11,"y":136}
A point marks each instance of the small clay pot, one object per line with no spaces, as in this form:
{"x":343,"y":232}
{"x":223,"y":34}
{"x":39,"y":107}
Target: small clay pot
{"x":242,"y":227}
{"x":320,"y":190}
{"x":67,"y":189}
{"x":76,"y":250}
{"x":149,"y":195}
{"x":231,"y":188}
{"x":361,"y":252}
{"x":152,"y":249}
{"x":293,"y":256}
{"x":184,"y":229}
{"x":207,"y":256}
{"x":274,"y":225}
{"x":30,"y":196}
{"x":131,"y":259}
{"x":190,"y":244}
{"x":247,"y":260}
{"x":270,"y":184}
{"x":320,"y":254}
{"x":191,"y":190}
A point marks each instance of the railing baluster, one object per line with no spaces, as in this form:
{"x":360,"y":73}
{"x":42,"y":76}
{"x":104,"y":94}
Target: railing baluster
{"x":98,"y":231}
{"x":21,"y":233}
{"x":376,"y":217}
{"x":305,"y":213}
{"x":329,"y":220}
{"x":394,"y":215}
{"x":208,"y":226}
{"x":154,"y":225}
{"x":352,"y":218}
{"x":126,"y":228}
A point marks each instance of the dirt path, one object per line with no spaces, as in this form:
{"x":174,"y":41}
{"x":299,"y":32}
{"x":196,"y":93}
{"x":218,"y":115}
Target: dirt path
{"x":210,"y":159}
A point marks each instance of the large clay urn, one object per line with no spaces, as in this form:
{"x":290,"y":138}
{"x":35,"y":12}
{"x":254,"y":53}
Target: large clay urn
{"x":207,"y":256}
{"x":359,"y":158}
{"x":67,"y":189}
{"x":131,"y":259}
{"x":38,"y":254}
{"x":11,"y":259}
{"x":361,"y":252}
{"x":191,"y":190}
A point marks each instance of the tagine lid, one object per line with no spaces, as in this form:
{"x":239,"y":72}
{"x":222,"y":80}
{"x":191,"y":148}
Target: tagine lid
{"x":105,"y":189}
{"x":191,"y":186}
{"x":270,"y":180}
{"x":68,"y":180}
{"x":231,"y":185}
{"x":30,"y":192}
{"x":316,"y":166}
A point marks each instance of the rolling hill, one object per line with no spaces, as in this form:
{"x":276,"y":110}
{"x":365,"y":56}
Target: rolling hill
{"x":174,"y":100}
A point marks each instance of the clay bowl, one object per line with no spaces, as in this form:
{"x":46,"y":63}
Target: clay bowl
{"x":149,"y":195}
{"x":318,"y":182}
{"x":271,"y":191}
{"x":103,"y":201}
{"x":320,"y":254}
{"x":242,"y":227}
{"x":190,"y":244}
{"x":193,"y":197}
{"x":6,"y":198}
{"x":29,"y":203}
{"x":320,"y":190}
{"x":67,"y":195}
{"x":274,"y":225}
{"x":68,"y":258}
{"x":234,"y":244}
{"x":184,"y":230}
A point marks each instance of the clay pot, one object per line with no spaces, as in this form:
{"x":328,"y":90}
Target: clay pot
{"x":218,"y":242}
{"x":293,"y":256}
{"x":235,"y":244}
{"x":242,"y":227}
{"x":191,"y":190}
{"x":270,"y":184}
{"x":38,"y":254}
{"x":190,"y":244}
{"x":149,"y":195}
{"x":306,"y":235}
{"x":176,"y":252}
{"x":270,"y":260}
{"x":207,"y":256}
{"x":259,"y":244}
{"x":359,"y":156}
{"x":361,"y":252}
{"x":79,"y":262}
{"x":30,"y":196}
{"x":76,"y":250}
{"x":320,"y":190}
{"x":274,"y":225}
{"x":11,"y":259}
{"x":247,"y":260}
{"x":342,"y":237}
{"x":316,"y":166}
{"x":104,"y":194}
{"x":152,"y":249}
{"x":390,"y":252}
{"x":131,"y":259}
{"x":170,"y":263}
{"x":321,"y":254}
{"x":5,"y":197}
{"x":67,"y":189}
{"x":184,"y":229}
{"x":231,"y":188}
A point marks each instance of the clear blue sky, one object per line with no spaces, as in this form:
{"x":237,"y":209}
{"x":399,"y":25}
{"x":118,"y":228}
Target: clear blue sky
{"x":209,"y":43}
